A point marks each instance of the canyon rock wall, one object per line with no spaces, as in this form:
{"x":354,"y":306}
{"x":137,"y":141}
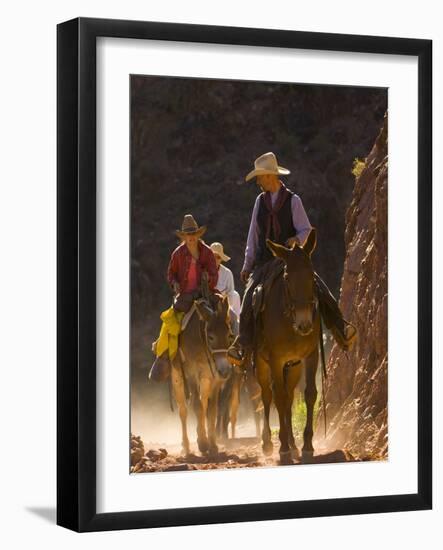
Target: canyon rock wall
{"x":357,"y":384}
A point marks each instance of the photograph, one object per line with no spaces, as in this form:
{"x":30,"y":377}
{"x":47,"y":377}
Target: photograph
{"x":258,"y":274}
{"x":221,"y":311}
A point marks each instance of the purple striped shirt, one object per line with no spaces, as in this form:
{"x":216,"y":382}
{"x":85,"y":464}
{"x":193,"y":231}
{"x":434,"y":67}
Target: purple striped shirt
{"x":299,"y":219}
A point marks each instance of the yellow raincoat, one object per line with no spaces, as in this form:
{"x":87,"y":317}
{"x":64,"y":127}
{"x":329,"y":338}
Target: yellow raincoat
{"x":168,"y":339}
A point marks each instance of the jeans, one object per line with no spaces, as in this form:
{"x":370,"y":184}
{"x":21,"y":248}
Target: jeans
{"x":183,"y":301}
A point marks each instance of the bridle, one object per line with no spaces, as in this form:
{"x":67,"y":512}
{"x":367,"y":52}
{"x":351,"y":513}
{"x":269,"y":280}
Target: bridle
{"x":291,"y":301}
{"x":208,"y":345}
{"x":210,"y":351}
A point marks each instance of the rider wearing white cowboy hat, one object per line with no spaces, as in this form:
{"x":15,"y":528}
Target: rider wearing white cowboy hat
{"x":267,"y":164}
{"x":278,"y":215}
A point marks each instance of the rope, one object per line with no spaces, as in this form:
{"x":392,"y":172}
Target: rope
{"x":324,"y":374}
{"x":204,"y":339}
{"x":171,"y":404}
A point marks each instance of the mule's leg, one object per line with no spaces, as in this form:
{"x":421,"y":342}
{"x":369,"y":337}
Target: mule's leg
{"x":223,"y":410}
{"x":201,"y":408}
{"x":257,"y":416}
{"x":264,"y":379}
{"x":212,"y":418}
{"x":281,"y":402}
{"x":180,"y":397}
{"x":292,"y":381}
{"x":254,"y":391}
{"x":234,"y":402}
{"x":310,"y":398}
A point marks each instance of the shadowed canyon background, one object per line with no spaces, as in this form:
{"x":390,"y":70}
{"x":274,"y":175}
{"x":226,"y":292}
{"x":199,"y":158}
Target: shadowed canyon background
{"x":192,"y":143}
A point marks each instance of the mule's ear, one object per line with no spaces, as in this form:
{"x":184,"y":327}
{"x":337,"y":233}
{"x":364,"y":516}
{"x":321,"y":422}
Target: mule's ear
{"x":277,"y":250}
{"x":311,"y":242}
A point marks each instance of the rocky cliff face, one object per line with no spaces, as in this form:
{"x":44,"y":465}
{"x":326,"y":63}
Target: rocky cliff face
{"x":356,"y":387}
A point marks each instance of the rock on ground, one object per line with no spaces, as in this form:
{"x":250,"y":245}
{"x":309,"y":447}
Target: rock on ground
{"x":236,"y":453}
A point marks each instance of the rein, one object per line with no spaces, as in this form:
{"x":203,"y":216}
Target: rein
{"x":210,"y":352}
{"x":324,"y":374}
{"x":204,"y":339}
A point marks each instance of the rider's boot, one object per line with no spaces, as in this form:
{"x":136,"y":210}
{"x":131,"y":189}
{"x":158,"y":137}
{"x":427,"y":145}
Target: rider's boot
{"x":161,"y":368}
{"x":243,"y":343}
{"x":346,"y":336}
{"x":350,"y":336}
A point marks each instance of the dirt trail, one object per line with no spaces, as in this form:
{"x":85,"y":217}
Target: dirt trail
{"x":244,"y":452}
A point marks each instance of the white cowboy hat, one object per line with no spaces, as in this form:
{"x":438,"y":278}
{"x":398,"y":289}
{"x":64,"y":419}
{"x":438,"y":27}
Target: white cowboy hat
{"x":267,"y":164}
{"x":190,"y":227}
{"x":217,"y":248}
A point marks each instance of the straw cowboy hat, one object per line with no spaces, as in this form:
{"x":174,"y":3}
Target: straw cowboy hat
{"x":190,"y":227}
{"x":267,"y":164}
{"x":217,"y":248}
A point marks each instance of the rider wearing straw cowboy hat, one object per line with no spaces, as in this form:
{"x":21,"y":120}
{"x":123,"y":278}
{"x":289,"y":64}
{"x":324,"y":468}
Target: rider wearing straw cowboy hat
{"x":225,"y":281}
{"x":278,"y":215}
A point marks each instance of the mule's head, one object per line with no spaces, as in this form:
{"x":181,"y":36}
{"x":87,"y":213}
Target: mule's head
{"x":299,"y":281}
{"x":218,"y":333}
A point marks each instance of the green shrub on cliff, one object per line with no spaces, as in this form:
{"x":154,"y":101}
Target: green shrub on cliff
{"x":357,"y":167}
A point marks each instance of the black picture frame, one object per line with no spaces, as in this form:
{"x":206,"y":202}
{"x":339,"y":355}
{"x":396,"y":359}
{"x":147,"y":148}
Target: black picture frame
{"x":76,"y":273}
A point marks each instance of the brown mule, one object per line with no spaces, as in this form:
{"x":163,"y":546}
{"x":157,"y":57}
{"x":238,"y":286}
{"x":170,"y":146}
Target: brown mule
{"x":289,"y":342}
{"x":202,"y":373}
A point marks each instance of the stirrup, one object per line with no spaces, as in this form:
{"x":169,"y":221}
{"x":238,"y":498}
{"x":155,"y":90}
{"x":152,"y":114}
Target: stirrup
{"x":349,"y":338}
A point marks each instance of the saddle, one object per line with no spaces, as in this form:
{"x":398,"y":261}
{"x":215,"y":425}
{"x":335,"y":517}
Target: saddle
{"x":260,"y":292}
{"x":187,"y":317}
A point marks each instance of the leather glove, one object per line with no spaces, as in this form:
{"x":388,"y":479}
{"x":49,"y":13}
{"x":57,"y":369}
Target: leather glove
{"x":244,"y":276}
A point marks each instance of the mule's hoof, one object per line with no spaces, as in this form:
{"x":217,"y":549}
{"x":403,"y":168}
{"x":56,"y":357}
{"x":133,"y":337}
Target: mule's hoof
{"x":213,"y":450}
{"x":286,"y":458}
{"x":295,"y":453}
{"x":307,"y":456}
{"x":203,"y":445}
{"x":268,"y":448}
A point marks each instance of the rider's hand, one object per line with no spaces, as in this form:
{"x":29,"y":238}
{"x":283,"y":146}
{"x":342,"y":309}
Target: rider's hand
{"x":244,"y":276}
{"x":292,"y":241}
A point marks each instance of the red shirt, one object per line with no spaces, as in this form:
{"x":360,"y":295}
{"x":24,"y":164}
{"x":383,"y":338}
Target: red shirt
{"x":192,"y":284}
{"x":178,"y":269}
